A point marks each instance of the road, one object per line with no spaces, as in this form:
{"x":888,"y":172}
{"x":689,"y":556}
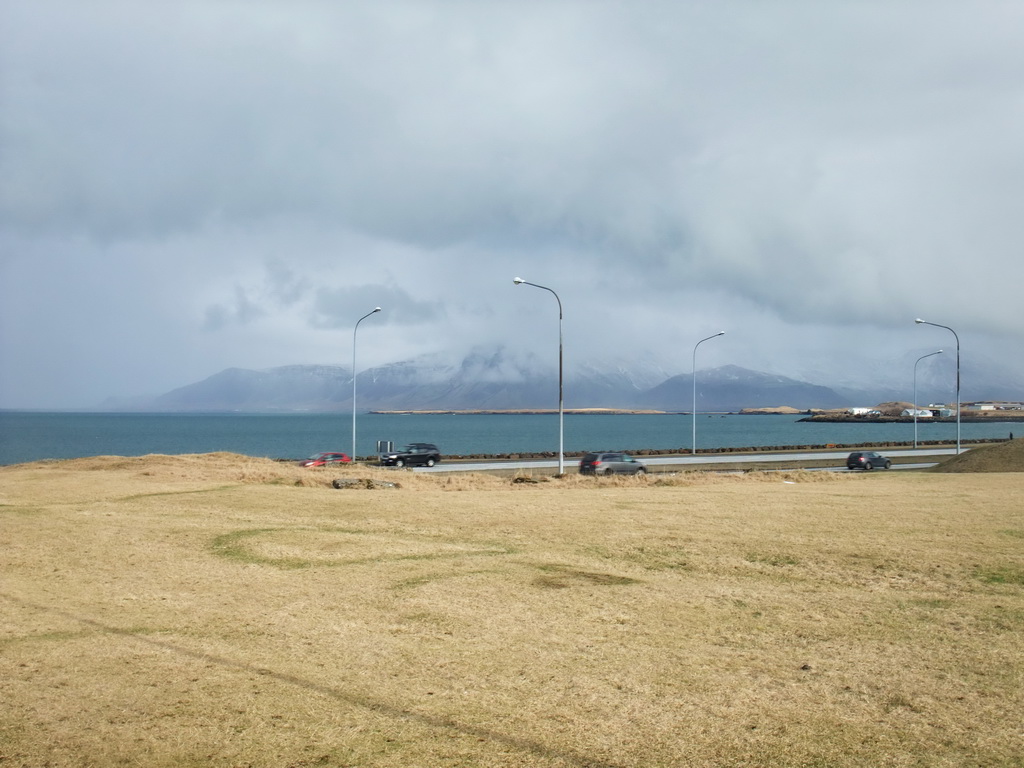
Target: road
{"x":717,"y":461}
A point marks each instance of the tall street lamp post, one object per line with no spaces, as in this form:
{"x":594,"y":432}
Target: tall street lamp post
{"x":561,"y":430}
{"x":922,"y":357}
{"x":694,"y":369}
{"x":919,"y":321}
{"x":375,"y":311}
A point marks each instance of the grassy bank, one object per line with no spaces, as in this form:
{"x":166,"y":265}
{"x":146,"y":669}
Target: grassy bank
{"x":217,"y":610}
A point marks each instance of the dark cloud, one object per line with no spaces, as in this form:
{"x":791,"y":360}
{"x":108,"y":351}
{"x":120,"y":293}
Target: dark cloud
{"x":247,"y":179}
{"x":342,"y":307}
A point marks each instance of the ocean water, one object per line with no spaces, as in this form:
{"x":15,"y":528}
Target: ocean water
{"x":33,"y":436}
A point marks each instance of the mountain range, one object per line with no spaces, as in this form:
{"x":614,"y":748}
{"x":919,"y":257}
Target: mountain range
{"x":497,"y":380}
{"x":490,"y":380}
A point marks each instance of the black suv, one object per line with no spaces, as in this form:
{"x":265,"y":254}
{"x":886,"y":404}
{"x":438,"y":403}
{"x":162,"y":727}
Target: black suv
{"x":610,"y":464}
{"x":866,"y":460}
{"x":424,"y":454}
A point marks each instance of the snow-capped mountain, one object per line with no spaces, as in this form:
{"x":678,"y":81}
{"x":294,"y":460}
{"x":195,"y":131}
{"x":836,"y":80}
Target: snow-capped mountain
{"x":495,"y":379}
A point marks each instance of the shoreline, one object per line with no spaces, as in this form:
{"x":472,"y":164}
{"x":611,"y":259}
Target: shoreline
{"x":532,"y":412}
{"x":971,"y":418}
{"x":974,"y":417}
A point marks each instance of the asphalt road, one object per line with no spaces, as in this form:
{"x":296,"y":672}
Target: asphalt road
{"x":719,"y":462}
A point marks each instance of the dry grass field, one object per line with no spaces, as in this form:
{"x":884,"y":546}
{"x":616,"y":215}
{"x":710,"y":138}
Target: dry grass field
{"x":224,"y":611}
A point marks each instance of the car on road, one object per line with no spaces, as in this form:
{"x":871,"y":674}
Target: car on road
{"x":867,"y":460}
{"x":325,"y":459}
{"x":414,"y":454}
{"x":611,"y":464}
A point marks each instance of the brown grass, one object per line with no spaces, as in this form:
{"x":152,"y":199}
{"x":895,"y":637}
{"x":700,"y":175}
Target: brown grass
{"x":218,"y":610}
{"x":1000,"y":457}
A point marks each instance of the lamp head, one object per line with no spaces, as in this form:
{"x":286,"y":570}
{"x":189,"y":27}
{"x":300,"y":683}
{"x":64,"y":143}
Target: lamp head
{"x":518,"y":280}
{"x":919,"y":321}
{"x":376,"y":309}
{"x":721,"y":333}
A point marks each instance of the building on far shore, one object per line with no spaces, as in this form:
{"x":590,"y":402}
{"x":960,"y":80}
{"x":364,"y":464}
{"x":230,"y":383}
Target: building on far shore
{"x":862,"y":411}
{"x":920,"y":413}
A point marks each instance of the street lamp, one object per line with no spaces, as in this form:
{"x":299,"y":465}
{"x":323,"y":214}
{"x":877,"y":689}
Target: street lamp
{"x":694,"y":369}
{"x":561,"y":430}
{"x":375,"y":311}
{"x":922,"y":357}
{"x":919,"y":321}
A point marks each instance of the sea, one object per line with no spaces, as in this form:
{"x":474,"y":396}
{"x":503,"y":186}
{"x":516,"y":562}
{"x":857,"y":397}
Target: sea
{"x":33,"y":436}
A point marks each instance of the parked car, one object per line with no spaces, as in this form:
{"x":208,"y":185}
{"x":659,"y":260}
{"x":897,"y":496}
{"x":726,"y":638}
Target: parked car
{"x":867,"y":460}
{"x":324,"y":459}
{"x":422,"y":454}
{"x":611,"y":464}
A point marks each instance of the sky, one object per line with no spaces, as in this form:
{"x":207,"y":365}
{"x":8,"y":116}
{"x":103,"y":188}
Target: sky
{"x":190,"y":186}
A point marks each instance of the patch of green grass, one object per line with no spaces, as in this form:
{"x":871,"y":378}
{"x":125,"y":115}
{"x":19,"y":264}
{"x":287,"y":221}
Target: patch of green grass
{"x":65,"y":636}
{"x":1007,"y":574}
{"x":419,"y":581}
{"x":653,"y":558}
{"x":776,"y":560}
{"x":44,"y":637}
{"x":232,"y":545}
{"x":17,"y":509}
{"x":242,"y":546}
{"x":900,"y":701}
{"x":930,"y":603}
{"x":137,"y":496}
{"x":1004,"y":619}
{"x":562,"y":576}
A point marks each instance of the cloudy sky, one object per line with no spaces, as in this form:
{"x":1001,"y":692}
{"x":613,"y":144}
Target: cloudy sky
{"x":191,"y":186}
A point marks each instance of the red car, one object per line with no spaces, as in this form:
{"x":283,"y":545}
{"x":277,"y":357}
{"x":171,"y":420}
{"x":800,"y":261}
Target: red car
{"x":323,"y":459}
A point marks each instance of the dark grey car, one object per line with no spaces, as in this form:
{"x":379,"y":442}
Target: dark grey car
{"x":867,"y":460}
{"x":611,"y":464}
{"x":423,"y":454}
